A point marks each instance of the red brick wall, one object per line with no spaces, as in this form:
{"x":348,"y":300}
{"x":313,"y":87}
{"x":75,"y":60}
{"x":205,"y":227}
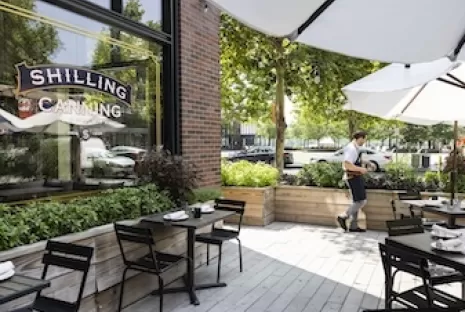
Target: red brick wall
{"x":200,"y":89}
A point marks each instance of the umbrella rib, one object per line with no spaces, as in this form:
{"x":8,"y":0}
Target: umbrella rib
{"x":311,"y":19}
{"x":459,"y":46}
{"x":456,"y":79}
{"x":452,"y":83}
{"x":413,"y":99}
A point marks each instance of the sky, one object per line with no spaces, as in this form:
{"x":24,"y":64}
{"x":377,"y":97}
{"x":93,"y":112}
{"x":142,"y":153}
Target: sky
{"x":77,"y":49}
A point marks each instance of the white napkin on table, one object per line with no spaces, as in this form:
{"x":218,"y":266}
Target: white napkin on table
{"x":206,"y":207}
{"x":455,"y":243}
{"x":6,"y":266}
{"x":176,"y":215}
{"x":440,"y":230}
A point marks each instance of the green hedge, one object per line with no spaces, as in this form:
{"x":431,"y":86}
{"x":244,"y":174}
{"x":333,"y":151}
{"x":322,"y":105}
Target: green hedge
{"x":44,"y":220}
{"x":247,"y":174}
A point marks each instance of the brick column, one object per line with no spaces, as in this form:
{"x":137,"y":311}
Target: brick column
{"x":200,"y":89}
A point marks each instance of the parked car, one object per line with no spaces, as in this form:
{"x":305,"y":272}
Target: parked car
{"x":134,"y":153}
{"x":378,"y":159}
{"x":261,"y":153}
{"x":105,"y":163}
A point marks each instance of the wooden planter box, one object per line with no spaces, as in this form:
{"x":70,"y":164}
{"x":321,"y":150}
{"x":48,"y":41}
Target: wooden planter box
{"x":102,"y":287}
{"x":312,"y":205}
{"x":260,"y":203}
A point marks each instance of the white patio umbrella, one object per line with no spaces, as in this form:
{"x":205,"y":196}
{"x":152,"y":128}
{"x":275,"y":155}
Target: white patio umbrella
{"x":399,"y":31}
{"x":12,"y":123}
{"x":420,"y":94}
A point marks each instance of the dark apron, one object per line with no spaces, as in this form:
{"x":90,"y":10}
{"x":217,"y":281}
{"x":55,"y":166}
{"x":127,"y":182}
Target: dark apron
{"x":357,"y":184}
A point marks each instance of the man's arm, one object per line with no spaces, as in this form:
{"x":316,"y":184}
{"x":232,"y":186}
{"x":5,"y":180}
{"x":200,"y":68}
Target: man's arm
{"x":348,"y":166}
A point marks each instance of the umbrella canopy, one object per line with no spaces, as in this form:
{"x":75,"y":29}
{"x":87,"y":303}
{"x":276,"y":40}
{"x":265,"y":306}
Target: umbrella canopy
{"x":425,"y":93}
{"x":56,"y":122}
{"x":11,"y":122}
{"x":399,"y":31}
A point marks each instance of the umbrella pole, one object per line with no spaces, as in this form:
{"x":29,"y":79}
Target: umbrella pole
{"x":453,"y":177}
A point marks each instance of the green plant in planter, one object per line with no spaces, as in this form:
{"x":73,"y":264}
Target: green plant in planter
{"x":44,"y":220}
{"x":170,"y":172}
{"x":321,"y":174}
{"x":202,"y":195}
{"x":247,"y":174}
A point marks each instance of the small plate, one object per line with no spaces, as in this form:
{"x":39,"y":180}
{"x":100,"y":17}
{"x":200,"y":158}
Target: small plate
{"x":166,"y":218}
{"x":455,"y":250}
{"x":445,"y":235}
{"x":207,"y":210}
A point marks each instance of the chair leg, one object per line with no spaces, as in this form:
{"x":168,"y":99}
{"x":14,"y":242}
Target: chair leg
{"x":219,"y":262}
{"x":122,"y":290}
{"x":160,"y":291}
{"x":208,"y":254}
{"x":240,"y":253}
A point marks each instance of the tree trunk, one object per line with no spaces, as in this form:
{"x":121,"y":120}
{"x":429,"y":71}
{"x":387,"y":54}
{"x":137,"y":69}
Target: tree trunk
{"x":352,"y":125}
{"x":280,"y":122}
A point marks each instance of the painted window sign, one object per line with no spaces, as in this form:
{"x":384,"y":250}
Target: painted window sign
{"x":49,"y":76}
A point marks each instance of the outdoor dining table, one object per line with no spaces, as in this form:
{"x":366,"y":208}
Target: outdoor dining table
{"x":192,"y":224}
{"x":19,"y":286}
{"x":420,"y":244}
{"x":437,"y":207}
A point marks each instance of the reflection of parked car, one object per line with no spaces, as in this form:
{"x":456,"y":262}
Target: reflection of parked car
{"x":260,"y":153}
{"x":105,"y":163}
{"x":378,"y":159}
{"x":134,"y":153}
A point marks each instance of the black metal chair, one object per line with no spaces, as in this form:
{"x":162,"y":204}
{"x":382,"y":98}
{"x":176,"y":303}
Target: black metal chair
{"x":218,"y":236}
{"x":439,"y":275}
{"x":64,"y":255}
{"x":423,"y":296}
{"x":152,"y":261}
{"x":414,"y":310}
{"x":411,"y":195}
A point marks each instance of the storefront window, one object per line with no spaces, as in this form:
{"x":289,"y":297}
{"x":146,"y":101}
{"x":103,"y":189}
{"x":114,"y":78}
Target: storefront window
{"x":145,"y":11}
{"x":84,"y":99}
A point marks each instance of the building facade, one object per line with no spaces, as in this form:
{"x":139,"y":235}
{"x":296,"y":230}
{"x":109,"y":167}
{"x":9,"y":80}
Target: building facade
{"x":87,"y":86}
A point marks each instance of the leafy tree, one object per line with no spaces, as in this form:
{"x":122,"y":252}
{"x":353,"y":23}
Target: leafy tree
{"x":258,"y":70}
{"x":24,"y":40}
{"x":267,"y":129}
{"x":414,"y":134}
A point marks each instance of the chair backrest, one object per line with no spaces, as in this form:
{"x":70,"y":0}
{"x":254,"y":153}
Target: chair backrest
{"x":408,"y":262}
{"x":69,"y":256}
{"x":404,"y":226}
{"x":414,"y":310}
{"x":409,"y":195}
{"x":136,"y":235}
{"x":236,"y":206}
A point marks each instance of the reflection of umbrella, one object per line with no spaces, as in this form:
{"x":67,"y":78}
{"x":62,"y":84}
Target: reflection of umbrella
{"x":401,"y":31}
{"x":53,"y":122}
{"x":12,"y":123}
{"x":421,"y":92}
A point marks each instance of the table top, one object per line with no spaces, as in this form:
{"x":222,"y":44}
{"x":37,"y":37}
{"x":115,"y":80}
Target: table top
{"x":437,"y":206}
{"x":19,"y":286}
{"x":192,"y":223}
{"x":421,"y":245}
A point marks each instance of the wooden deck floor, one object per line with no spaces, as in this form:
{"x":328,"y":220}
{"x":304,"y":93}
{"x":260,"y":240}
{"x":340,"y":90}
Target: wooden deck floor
{"x":293,"y":268}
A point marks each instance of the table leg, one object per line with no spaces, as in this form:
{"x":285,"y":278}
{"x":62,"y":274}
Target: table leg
{"x":388,"y":285}
{"x":191,"y":266}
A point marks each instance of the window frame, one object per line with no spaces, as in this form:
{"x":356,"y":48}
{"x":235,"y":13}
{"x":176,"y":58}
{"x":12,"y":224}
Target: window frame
{"x":168,"y":38}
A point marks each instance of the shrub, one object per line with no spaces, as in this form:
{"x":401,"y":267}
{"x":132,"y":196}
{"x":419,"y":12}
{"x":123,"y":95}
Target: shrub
{"x":244,"y":173}
{"x":202,"y":195}
{"x":321,"y":174}
{"x":44,"y":220}
{"x":170,"y":172}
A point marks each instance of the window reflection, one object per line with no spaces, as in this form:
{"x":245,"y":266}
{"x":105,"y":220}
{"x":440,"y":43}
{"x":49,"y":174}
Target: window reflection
{"x":148,"y":12}
{"x":73,"y":126}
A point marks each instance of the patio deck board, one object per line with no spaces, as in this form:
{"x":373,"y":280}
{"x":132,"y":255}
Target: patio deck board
{"x":293,"y":268}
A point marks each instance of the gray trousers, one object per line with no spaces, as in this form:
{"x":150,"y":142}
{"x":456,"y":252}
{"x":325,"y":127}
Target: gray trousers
{"x":352,"y":212}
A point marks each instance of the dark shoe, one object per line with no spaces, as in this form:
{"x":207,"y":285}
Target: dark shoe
{"x":342,"y":223}
{"x":357,"y":230}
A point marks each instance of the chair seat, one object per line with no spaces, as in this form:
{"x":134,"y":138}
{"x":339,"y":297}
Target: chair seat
{"x":46,"y":304}
{"x":217,"y":236}
{"x":416,"y":296}
{"x":164,"y":261}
